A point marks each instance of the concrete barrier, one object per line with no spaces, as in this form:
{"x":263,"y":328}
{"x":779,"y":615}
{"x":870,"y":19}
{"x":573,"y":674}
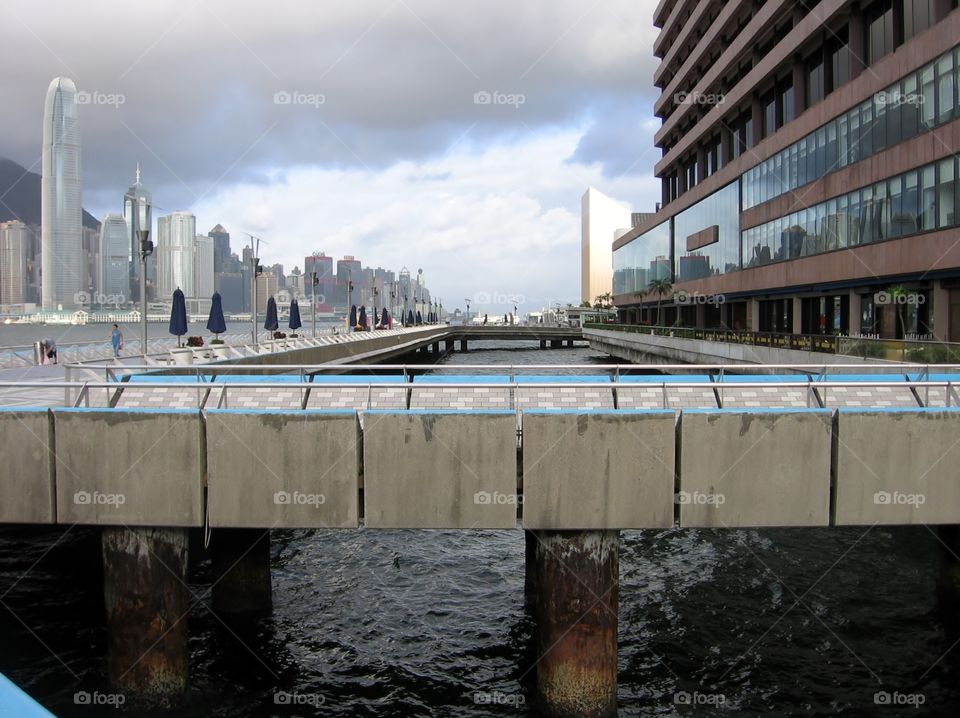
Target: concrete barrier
{"x":898,"y":466}
{"x":289,"y":469}
{"x":440,"y":469}
{"x":139,"y":467}
{"x":27,"y":492}
{"x":757,"y":467}
{"x":593,"y":469}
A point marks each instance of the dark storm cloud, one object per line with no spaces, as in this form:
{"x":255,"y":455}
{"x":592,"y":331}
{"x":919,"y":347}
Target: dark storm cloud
{"x":217,"y":92}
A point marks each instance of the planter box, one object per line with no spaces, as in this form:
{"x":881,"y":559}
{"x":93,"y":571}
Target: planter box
{"x":182,"y":356}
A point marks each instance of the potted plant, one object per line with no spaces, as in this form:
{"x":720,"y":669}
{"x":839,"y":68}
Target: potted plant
{"x":194,"y":341}
{"x":219,"y":347}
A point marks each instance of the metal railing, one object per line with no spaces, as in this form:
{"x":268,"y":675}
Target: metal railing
{"x":203,"y":378}
{"x":899,"y":350}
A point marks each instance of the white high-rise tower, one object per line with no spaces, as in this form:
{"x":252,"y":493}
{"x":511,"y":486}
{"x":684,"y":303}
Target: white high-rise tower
{"x":61,"y":241}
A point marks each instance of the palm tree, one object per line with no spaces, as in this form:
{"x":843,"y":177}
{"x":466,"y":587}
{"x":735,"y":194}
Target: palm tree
{"x":660,"y":287}
{"x":898,"y":297}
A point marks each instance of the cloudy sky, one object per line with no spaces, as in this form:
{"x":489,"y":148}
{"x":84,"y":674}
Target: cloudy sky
{"x":456,"y":137}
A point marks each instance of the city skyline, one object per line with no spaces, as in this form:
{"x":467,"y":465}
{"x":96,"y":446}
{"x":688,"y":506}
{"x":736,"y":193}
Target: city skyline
{"x":307,"y":149}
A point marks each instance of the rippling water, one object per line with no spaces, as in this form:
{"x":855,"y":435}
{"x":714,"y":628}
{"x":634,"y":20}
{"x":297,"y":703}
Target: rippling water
{"x":787,"y":622}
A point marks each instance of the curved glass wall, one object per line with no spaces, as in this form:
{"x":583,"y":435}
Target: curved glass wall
{"x":721,"y":209}
{"x":918,"y":102}
{"x":918,"y":201}
{"x":641,"y":261}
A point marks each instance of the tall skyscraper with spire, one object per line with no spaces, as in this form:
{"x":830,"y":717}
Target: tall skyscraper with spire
{"x":136,"y":196}
{"x":61,"y":238}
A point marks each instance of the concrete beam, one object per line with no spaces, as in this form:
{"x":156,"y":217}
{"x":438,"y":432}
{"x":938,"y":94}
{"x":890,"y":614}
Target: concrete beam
{"x":138,"y":467}
{"x":754,"y":467}
{"x":440,"y":469}
{"x":27,"y":489}
{"x":898,"y":467}
{"x":292,"y":469}
{"x":598,"y":469}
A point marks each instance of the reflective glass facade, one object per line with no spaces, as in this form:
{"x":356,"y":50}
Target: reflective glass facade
{"x":921,"y":200}
{"x":646,"y":258}
{"x":721,"y":209}
{"x":918,"y":102}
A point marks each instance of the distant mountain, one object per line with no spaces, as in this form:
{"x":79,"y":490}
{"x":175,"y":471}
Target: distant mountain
{"x":20,"y":195}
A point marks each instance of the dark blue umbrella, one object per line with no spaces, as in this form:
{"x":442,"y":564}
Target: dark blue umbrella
{"x":178,"y":315}
{"x":362,"y":321}
{"x":270,"y":323}
{"x":384,"y":319}
{"x":353,"y":316}
{"x":419,"y":318}
{"x":295,"y":322}
{"x":410,"y":318}
{"x":215,"y":322}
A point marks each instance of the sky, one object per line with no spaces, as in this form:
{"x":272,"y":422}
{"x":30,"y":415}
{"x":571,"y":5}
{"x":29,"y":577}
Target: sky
{"x":452,"y":137}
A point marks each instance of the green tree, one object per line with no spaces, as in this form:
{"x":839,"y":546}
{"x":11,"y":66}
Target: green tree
{"x":660,"y":287}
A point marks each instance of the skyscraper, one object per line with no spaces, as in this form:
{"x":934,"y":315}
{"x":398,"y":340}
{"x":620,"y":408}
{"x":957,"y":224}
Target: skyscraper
{"x":141,"y":219}
{"x":14,"y":249}
{"x":204,"y":258}
{"x":63,"y":275}
{"x":600,"y":217}
{"x":176,"y":253}
{"x":113,"y":261}
{"x":221,"y":248}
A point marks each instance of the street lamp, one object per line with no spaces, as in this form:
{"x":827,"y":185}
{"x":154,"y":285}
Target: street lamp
{"x":255,"y":271}
{"x":146,"y":249}
{"x":314,"y":281}
{"x":393,"y":300}
{"x":376,"y":292}
{"x":468,"y":311}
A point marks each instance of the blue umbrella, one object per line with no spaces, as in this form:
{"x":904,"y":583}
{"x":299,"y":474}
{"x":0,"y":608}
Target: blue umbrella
{"x":178,"y":316}
{"x":384,"y":319}
{"x":353,"y":316}
{"x":419,"y":318}
{"x":295,"y":322}
{"x":410,"y":318}
{"x":362,"y":321}
{"x":215,"y":322}
{"x":270,"y":323}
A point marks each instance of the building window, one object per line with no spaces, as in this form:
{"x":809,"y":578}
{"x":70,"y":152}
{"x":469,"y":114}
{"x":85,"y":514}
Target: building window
{"x":816,"y":82}
{"x":879,"y":29}
{"x":838,"y":51}
{"x":916,"y":17}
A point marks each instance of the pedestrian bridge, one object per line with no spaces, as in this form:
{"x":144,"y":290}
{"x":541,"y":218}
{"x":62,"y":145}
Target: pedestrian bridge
{"x":807,"y":446}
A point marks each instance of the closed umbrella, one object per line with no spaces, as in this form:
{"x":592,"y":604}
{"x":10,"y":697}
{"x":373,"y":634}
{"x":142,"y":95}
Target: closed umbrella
{"x":353,"y":316}
{"x":410,"y":318}
{"x":178,"y":315}
{"x":270,"y":323}
{"x":362,"y":320}
{"x":419,"y":317}
{"x":215,"y":322}
{"x":295,"y":322}
{"x":384,"y":319}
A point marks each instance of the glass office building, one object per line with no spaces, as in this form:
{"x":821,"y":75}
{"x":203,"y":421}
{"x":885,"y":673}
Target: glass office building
{"x":813,"y":172}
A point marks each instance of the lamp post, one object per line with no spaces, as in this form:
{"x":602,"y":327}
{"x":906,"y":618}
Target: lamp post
{"x":314,"y":281}
{"x":140,"y":221}
{"x":468,"y":312}
{"x":393,"y":300}
{"x":376,"y":292}
{"x":254,"y":273}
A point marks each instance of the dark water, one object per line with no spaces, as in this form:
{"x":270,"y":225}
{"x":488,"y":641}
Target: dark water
{"x":789,"y":622}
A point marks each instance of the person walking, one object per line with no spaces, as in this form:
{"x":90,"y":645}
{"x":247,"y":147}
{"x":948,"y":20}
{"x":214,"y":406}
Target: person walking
{"x":50,"y":350}
{"x":116,"y":339}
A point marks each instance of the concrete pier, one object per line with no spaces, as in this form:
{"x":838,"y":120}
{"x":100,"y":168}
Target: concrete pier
{"x":147,"y":601}
{"x":241,"y":564}
{"x":577,"y":574}
{"x":463,"y":345}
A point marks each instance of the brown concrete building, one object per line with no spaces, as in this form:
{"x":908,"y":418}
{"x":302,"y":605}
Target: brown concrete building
{"x":809,"y":176}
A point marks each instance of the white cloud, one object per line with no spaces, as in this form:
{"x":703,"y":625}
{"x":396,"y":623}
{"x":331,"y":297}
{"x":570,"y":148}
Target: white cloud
{"x":498,"y":219}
